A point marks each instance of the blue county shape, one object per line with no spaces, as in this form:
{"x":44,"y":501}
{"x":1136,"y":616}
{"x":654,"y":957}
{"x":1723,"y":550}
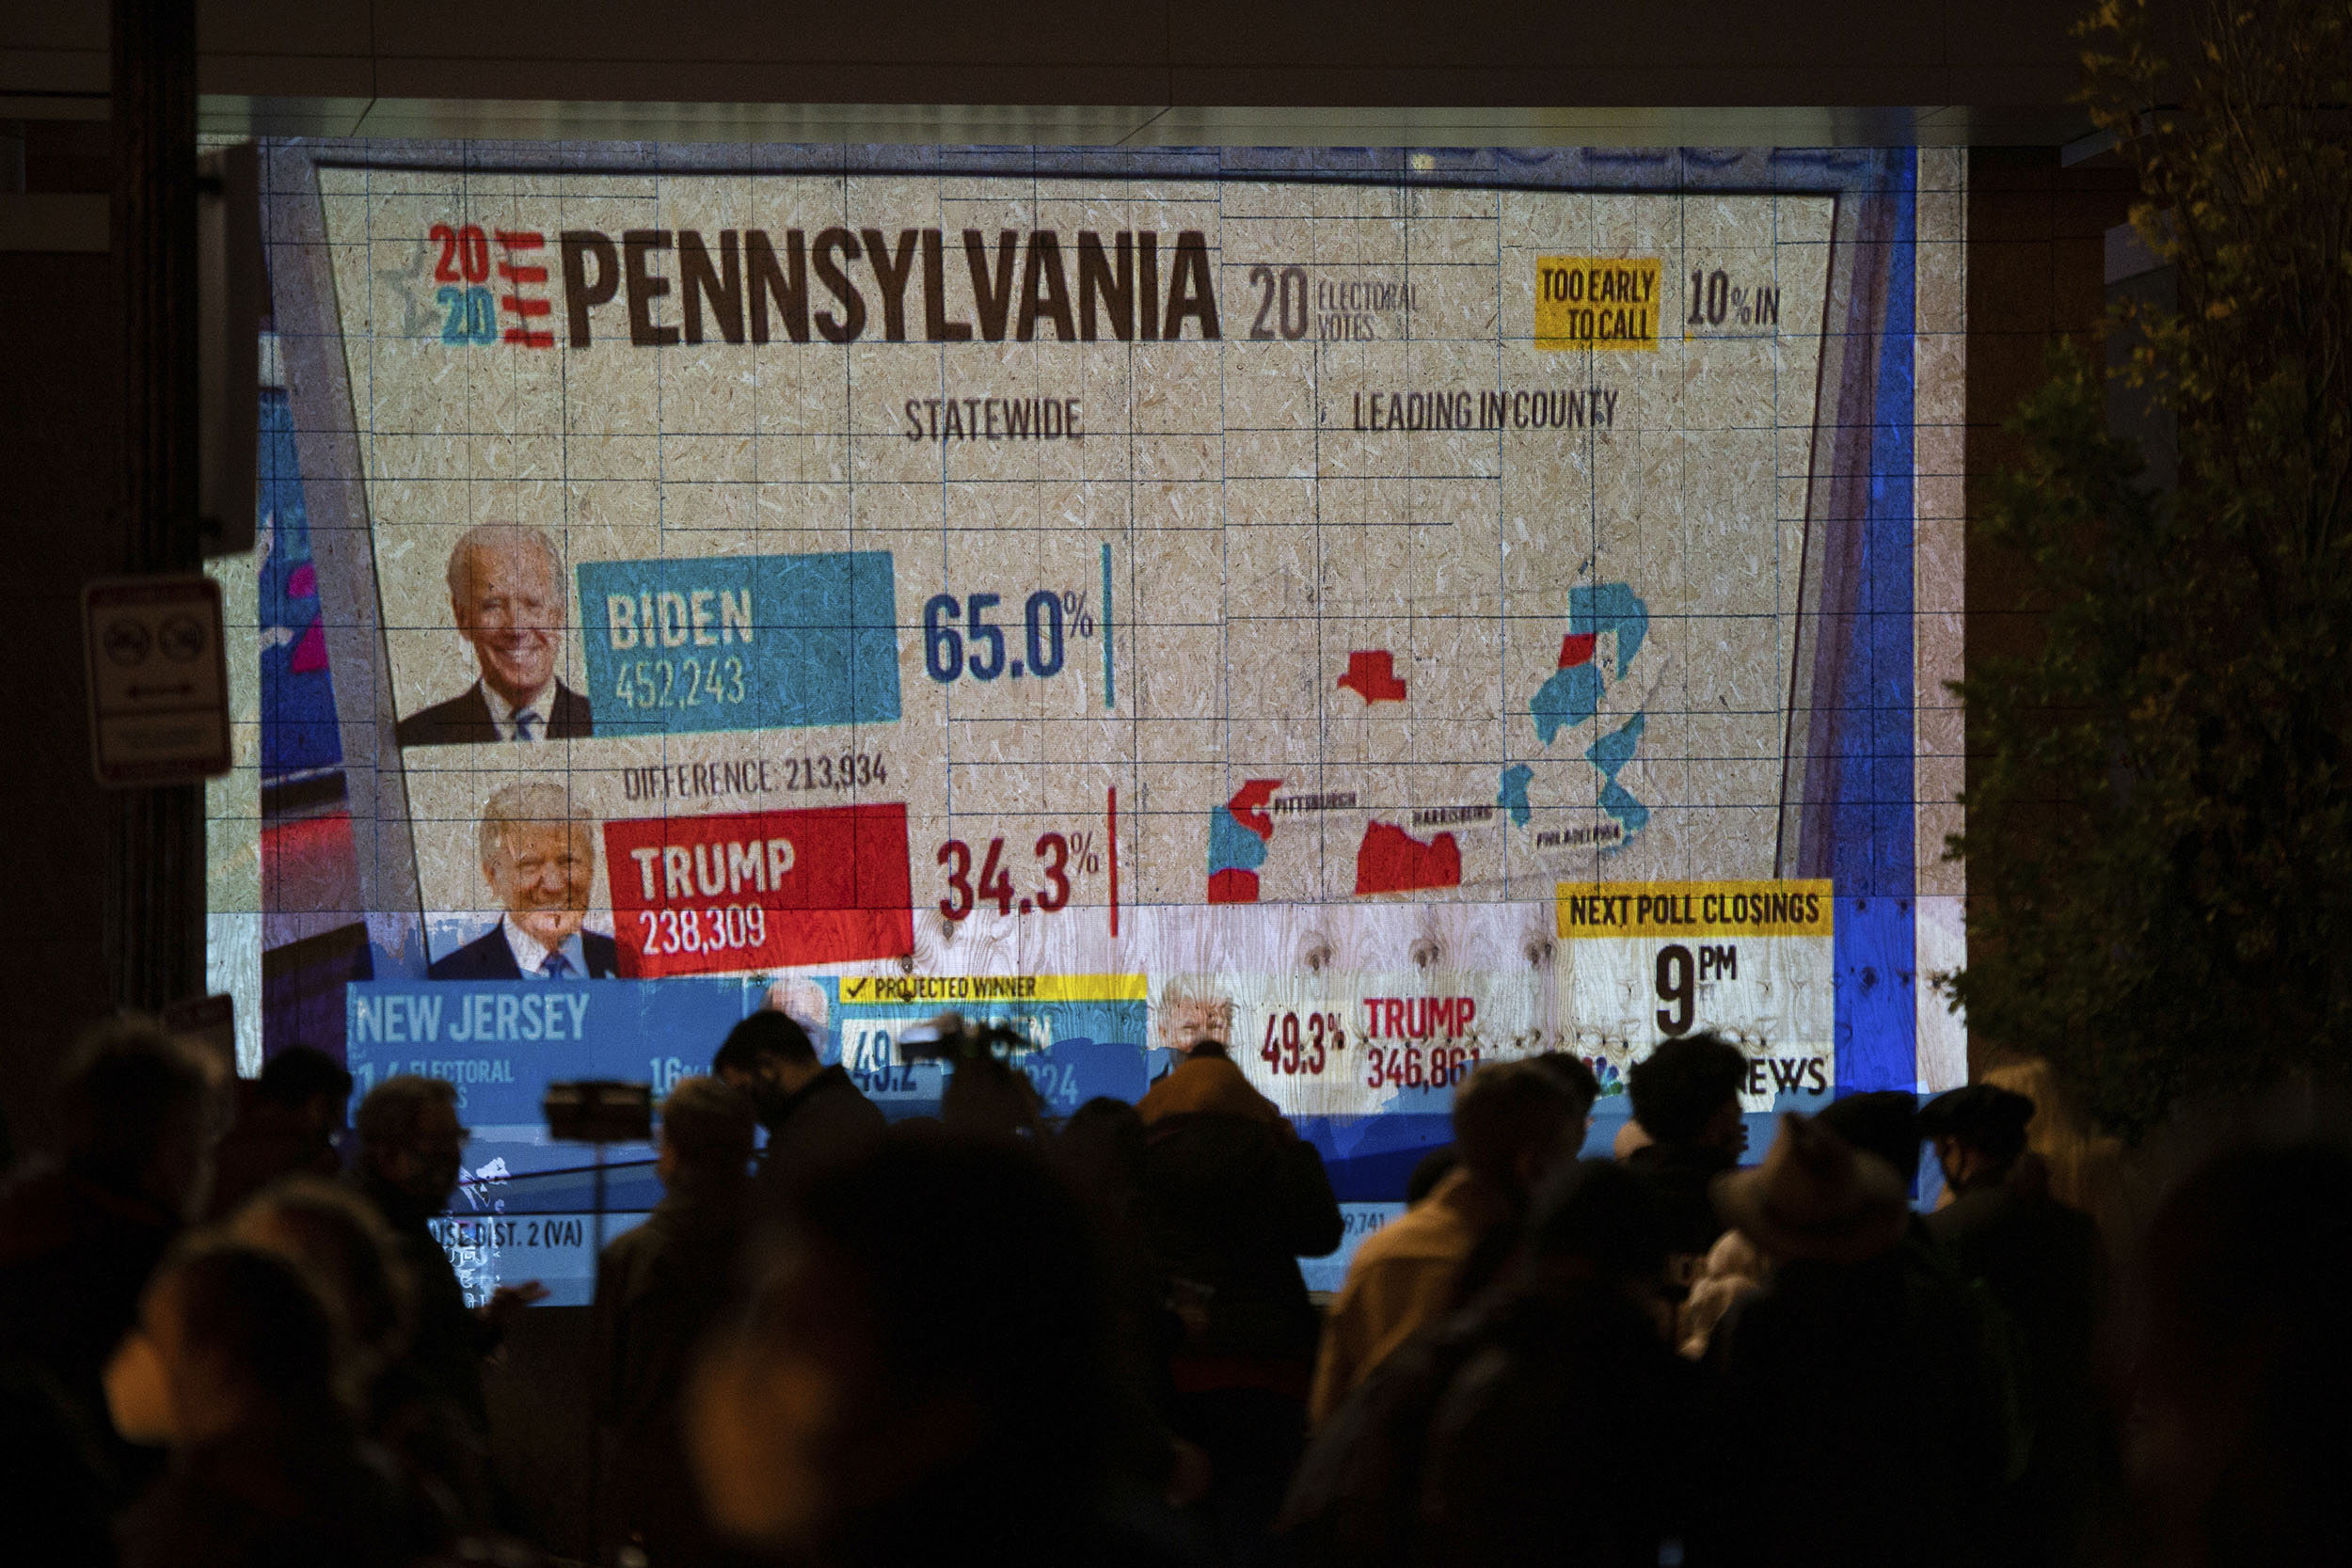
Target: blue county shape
{"x":1602,"y":607}
{"x":1569,"y":698}
{"x":1514,"y":797}
{"x":1232,"y":846}
{"x":1612,"y":751}
{"x":1619,"y":802}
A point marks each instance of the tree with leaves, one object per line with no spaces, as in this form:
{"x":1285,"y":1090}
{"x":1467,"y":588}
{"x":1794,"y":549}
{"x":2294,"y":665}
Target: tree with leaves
{"x":2159,"y":820}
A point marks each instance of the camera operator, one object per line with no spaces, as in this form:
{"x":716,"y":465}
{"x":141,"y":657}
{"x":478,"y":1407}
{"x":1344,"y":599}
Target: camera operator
{"x":813,"y":1113}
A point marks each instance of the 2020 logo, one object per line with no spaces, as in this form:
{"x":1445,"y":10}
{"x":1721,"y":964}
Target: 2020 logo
{"x":472,"y":309}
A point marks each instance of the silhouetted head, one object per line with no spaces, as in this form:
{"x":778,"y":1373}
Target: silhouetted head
{"x":1514,"y":1121}
{"x":1102,"y":1147}
{"x":231,"y":1339}
{"x":986,"y":1096}
{"x":1597,"y":1215}
{"x":348,"y":1253}
{"x":1575,"y":1074}
{"x":920,"y":1368}
{"x":1886,"y":1123}
{"x":309,"y":1083}
{"x":410,"y":1139}
{"x":1978,"y":1132}
{"x":707,"y":1131}
{"x":1429,"y":1170}
{"x":768,"y":1056}
{"x":1687,"y":1093}
{"x":141,"y":1110}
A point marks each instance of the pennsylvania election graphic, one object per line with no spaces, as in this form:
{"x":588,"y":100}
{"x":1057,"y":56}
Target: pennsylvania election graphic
{"x":1290,"y":597}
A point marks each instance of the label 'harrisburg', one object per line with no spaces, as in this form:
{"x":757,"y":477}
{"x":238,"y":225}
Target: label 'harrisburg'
{"x":741,"y":642}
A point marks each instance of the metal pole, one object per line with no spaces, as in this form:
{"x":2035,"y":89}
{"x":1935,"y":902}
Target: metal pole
{"x":599,"y":1254}
{"x":154,"y":906}
{"x":594,"y":1513}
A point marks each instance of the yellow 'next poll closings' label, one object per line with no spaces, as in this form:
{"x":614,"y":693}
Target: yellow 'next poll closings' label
{"x":1796,"y":909}
{"x":1596,"y":301}
{"x":866,"y":991}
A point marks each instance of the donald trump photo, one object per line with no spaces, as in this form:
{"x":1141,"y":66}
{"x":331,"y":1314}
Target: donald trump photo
{"x":539,"y":858}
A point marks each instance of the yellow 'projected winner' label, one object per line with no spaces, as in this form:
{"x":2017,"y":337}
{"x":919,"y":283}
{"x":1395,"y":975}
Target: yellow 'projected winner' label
{"x":1794,"y":909}
{"x":1596,"y":301}
{"x":863,"y":990}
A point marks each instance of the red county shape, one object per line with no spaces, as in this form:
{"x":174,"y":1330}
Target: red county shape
{"x":1249,"y":807}
{"x":1372,"y":675}
{"x":309,"y":651}
{"x":1392,"y":860}
{"x":1576,"y":650}
{"x":1232,"y":887}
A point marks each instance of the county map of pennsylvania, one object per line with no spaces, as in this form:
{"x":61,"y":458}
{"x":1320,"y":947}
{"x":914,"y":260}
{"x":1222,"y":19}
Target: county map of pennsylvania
{"x":1391,"y":859}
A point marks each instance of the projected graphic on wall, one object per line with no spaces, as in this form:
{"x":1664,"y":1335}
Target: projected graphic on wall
{"x":1390,"y":612}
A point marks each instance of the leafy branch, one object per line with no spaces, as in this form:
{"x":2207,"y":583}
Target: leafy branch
{"x":2159,"y":827}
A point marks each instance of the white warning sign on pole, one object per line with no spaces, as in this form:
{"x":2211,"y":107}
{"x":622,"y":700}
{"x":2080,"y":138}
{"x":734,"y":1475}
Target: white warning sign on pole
{"x":158,"y":680}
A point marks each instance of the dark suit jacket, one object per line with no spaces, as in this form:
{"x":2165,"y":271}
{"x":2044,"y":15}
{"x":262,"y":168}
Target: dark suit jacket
{"x":448,"y":1341}
{"x":467,"y":717}
{"x":489,"y":958}
{"x":825,"y":1120}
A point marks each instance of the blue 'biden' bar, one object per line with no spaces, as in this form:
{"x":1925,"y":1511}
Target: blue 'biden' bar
{"x":741,"y":642}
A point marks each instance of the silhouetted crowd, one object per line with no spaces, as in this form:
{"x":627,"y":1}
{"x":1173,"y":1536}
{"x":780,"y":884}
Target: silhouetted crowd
{"x":1000,"y":1337}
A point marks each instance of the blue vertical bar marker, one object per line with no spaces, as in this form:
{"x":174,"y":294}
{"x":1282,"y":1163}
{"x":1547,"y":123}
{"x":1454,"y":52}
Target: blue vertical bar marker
{"x":1110,"y":696}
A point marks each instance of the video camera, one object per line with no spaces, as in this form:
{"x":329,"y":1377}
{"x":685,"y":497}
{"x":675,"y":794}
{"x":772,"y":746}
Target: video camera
{"x":952,"y":1039}
{"x":985,"y":1092}
{"x":599,"y":1110}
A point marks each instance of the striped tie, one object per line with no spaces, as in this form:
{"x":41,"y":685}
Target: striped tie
{"x":524,"y":719}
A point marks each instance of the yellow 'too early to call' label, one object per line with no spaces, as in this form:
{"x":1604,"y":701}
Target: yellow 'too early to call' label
{"x":1596,"y":301}
{"x":1777,"y":909}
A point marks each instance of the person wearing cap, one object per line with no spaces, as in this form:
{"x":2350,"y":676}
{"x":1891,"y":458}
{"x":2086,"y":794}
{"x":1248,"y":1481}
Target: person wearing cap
{"x":1861,"y":1371}
{"x":2043,"y":1262}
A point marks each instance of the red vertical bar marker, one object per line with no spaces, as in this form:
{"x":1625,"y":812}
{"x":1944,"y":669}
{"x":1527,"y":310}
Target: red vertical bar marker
{"x":525,"y":308}
{"x":1114,"y":838}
